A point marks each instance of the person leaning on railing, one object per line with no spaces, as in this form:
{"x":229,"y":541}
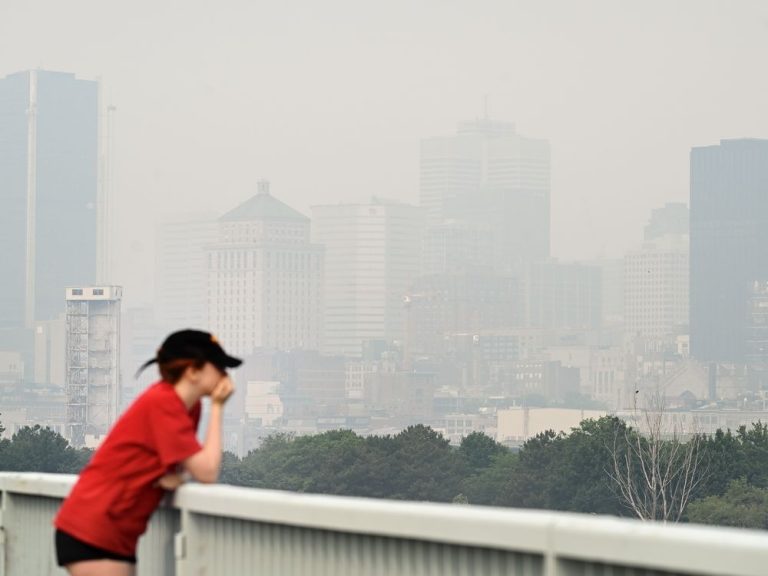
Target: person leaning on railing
{"x":150,"y":450}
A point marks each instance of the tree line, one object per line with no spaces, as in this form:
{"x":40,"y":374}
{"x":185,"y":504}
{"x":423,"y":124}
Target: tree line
{"x":38,"y":449}
{"x":553,"y":471}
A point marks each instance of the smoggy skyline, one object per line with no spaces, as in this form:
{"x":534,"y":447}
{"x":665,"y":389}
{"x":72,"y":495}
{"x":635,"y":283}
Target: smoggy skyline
{"x":329,"y":102}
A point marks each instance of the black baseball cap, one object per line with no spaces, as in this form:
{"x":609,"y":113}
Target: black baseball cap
{"x":193,"y":345}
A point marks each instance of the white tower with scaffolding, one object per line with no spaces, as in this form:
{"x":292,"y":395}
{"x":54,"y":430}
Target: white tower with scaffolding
{"x":92,"y":362}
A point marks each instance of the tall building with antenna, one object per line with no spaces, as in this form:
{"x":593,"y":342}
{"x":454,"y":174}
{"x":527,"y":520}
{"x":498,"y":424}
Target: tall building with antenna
{"x":489,"y":176}
{"x":49,"y":196}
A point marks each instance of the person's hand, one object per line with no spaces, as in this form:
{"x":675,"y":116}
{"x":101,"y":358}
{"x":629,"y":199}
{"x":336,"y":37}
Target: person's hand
{"x":222,"y":391}
{"x":170,"y":481}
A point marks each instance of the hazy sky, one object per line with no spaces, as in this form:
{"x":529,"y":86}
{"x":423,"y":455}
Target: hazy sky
{"x":329,"y":99}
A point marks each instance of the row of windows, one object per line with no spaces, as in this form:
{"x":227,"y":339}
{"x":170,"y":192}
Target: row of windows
{"x":251,"y":258}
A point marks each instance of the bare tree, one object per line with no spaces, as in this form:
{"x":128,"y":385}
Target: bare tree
{"x":657,"y":466}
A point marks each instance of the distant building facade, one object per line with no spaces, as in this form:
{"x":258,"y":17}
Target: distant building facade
{"x":671,"y":219}
{"x":489,"y":176}
{"x":265,"y":278}
{"x":611,"y":290}
{"x":729,"y":244}
{"x":602,"y":371}
{"x":563,"y":295}
{"x":140,"y":337}
{"x":656,"y":288}
{"x":441,"y":306}
{"x":50,"y":351}
{"x":49,"y":160}
{"x":181,"y":290}
{"x":756,"y":351}
{"x":372,"y":254}
{"x":517,"y":425}
{"x":11,"y":369}
{"x":457,"y":247}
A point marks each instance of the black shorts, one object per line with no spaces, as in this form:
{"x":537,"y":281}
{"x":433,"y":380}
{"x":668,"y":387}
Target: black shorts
{"x":69,"y":550}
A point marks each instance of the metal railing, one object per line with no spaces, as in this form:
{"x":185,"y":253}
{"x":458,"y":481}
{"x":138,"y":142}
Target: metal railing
{"x":230,"y":531}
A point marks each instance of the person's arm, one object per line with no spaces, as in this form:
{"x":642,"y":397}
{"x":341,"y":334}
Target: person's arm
{"x":204,"y":465}
{"x":171,"y":481}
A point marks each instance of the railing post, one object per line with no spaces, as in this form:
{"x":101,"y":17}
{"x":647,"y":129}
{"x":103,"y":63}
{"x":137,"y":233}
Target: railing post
{"x":555,"y":566}
{"x":2,"y":534}
{"x":550,"y":558}
{"x":180,"y":543}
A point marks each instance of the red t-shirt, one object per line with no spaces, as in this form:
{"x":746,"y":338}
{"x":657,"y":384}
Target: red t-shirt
{"x":110,"y":505}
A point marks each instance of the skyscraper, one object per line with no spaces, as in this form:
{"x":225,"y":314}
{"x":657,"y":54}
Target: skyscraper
{"x":264,"y":278}
{"x":372,"y":254}
{"x":656,"y":288}
{"x":729,"y":244}
{"x":672,"y":218}
{"x":489,"y":176}
{"x":49,"y":156}
{"x":181,"y":297}
{"x":562,"y":295}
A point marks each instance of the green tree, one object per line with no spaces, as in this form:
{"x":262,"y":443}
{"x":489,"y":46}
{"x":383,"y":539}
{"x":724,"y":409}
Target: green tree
{"x":373,"y":473}
{"x":725,"y":456}
{"x":496,"y":485}
{"x":37,"y":449}
{"x":423,"y":466}
{"x":478,"y":451}
{"x":568,"y":472}
{"x":319,"y":463}
{"x":4,"y":444}
{"x":78,"y":459}
{"x":754,"y":442}
{"x":231,"y":467}
{"x":742,"y":505}
{"x":334,"y":462}
{"x":733,"y":455}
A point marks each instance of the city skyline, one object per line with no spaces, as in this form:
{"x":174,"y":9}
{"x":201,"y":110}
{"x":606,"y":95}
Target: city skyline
{"x":620,"y":113}
{"x":493,"y":253}
{"x":415,"y":263}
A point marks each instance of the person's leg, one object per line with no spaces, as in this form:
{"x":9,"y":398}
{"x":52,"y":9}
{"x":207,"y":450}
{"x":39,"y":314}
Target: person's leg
{"x":101,"y":568}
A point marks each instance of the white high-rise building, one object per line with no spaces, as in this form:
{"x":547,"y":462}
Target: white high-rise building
{"x":264,"y":278}
{"x":489,"y":175}
{"x":181,"y":273}
{"x":50,"y":351}
{"x":372,"y":254}
{"x":92,"y":362}
{"x":656,"y":288}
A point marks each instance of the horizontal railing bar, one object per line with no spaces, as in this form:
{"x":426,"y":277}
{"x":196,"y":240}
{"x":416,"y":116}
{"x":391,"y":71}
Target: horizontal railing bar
{"x":520,"y":530}
{"x":686,"y":548}
{"x":608,"y":540}
{"x":37,"y":483}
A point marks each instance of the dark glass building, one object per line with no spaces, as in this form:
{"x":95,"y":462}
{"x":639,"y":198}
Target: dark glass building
{"x":729,"y":245}
{"x":49,"y":158}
